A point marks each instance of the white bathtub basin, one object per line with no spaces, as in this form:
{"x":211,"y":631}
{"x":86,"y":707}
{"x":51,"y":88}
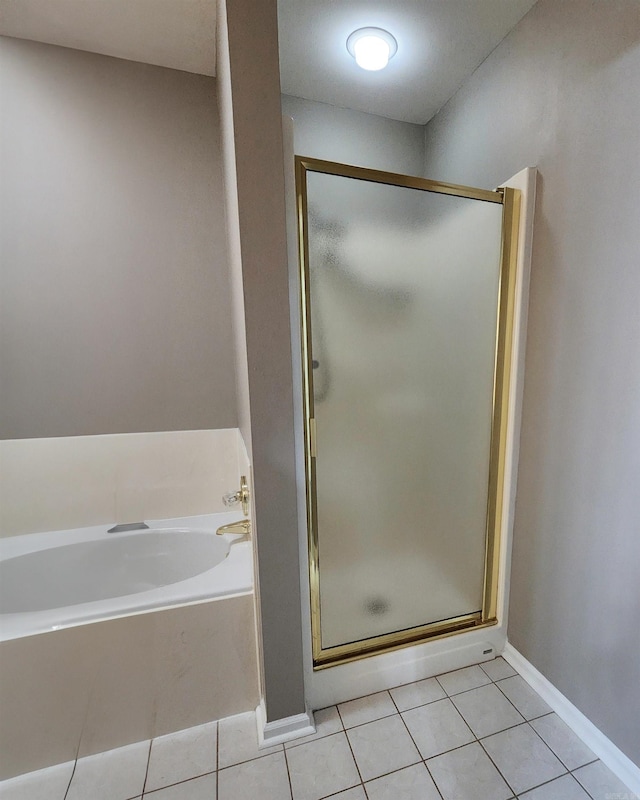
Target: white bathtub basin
{"x":127,"y":564}
{"x":57,"y":579}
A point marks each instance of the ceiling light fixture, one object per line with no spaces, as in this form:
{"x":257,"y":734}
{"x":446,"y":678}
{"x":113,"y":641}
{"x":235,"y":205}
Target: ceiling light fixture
{"x":372,"y":48}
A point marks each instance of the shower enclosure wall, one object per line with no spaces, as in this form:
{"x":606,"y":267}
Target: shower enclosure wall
{"x":408,"y":295}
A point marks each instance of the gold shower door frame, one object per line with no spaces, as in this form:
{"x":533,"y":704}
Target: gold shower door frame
{"x":509,"y":199}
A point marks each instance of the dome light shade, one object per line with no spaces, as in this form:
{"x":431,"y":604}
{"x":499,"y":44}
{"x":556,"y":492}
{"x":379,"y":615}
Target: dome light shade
{"x":372,"y":48}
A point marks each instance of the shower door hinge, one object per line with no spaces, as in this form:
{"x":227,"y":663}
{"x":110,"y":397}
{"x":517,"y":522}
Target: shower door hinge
{"x":312,"y":438}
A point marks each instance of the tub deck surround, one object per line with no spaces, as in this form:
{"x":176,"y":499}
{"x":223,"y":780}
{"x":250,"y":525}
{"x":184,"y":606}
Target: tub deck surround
{"x":78,"y":481}
{"x":88,"y":677}
{"x":50,"y":581}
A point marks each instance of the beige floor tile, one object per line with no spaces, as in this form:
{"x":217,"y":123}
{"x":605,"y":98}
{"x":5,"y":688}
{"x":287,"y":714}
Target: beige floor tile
{"x":417,"y":694}
{"x":411,"y":783}
{"x":569,"y":748}
{"x":498,"y":668}
{"x":599,"y":781}
{"x":113,"y":775}
{"x":321,"y":768}
{"x":468,"y":774}
{"x":238,"y":740}
{"x":564,"y":788}
{"x":261,"y":779}
{"x":357,"y":793}
{"x":486,"y":710}
{"x":524,"y":698}
{"x":463,"y":679}
{"x":183,"y":755}
{"x":45,"y":784}
{"x":203,"y":788}
{"x":523,"y":758}
{"x":382,"y":746}
{"x":437,"y":727}
{"x":366,"y":709}
{"x":327,"y":721}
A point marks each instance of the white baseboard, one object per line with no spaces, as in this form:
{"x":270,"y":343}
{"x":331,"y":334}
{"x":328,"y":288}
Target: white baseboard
{"x":603,"y":747}
{"x":282,"y":730}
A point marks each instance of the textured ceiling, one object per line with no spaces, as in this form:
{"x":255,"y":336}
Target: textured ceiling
{"x":170,"y":33}
{"x":440,"y":43}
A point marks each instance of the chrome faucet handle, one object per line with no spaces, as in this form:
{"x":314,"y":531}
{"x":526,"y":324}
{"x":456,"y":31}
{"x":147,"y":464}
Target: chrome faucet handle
{"x":241,"y":496}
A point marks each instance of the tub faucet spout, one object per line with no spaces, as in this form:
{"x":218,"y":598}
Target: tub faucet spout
{"x":243,"y":526}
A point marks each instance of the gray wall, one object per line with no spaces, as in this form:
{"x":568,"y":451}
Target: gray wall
{"x":561,"y":92}
{"x":248,"y":72}
{"x":115,"y":293}
{"x":353,"y":137}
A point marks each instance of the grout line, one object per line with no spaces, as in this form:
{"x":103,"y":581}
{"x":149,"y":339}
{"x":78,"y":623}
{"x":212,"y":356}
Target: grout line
{"x":544,"y":783}
{"x":286,"y":766}
{"x":410,"y":683}
{"x":495,"y":680}
{"x":422,"y":705}
{"x":498,"y":770}
{"x":466,"y":691}
{"x":397,"y":769}
{"x":262,"y":755}
{"x":508,"y":677}
{"x":504,"y":730}
{"x":549,"y":746}
{"x":328,"y":736}
{"x":353,"y":756}
{"x":340,"y":717}
{"x":548,"y":714}
{"x":459,"y":669}
{"x":364,"y":696}
{"x":73,"y":772}
{"x":464,"y":720}
{"x":464,"y":745}
{"x":593,"y":761}
{"x":584,"y":787}
{"x":405,"y":710}
{"x":514,"y":705}
{"x":517,"y":710}
{"x":344,"y":731}
{"x":440,"y":685}
{"x":360,"y":724}
{"x":146,"y":772}
{"x":416,"y":746}
{"x":529,"y":719}
{"x":150,"y":792}
{"x":340,"y":791}
{"x":302,"y":744}
{"x":377,"y":719}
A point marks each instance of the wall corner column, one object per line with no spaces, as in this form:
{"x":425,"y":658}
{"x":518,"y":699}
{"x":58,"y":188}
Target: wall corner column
{"x":251,"y":121}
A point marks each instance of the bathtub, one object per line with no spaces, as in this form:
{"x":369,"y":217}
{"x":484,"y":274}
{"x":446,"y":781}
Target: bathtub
{"x":50,"y":581}
{"x":112,"y":638}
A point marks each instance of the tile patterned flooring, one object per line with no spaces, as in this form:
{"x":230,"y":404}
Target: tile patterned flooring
{"x":479,"y":733}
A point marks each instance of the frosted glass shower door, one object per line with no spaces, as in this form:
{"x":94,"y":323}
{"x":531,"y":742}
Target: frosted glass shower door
{"x":401,"y":298}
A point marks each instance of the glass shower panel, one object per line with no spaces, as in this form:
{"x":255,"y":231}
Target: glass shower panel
{"x":403,"y":288}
